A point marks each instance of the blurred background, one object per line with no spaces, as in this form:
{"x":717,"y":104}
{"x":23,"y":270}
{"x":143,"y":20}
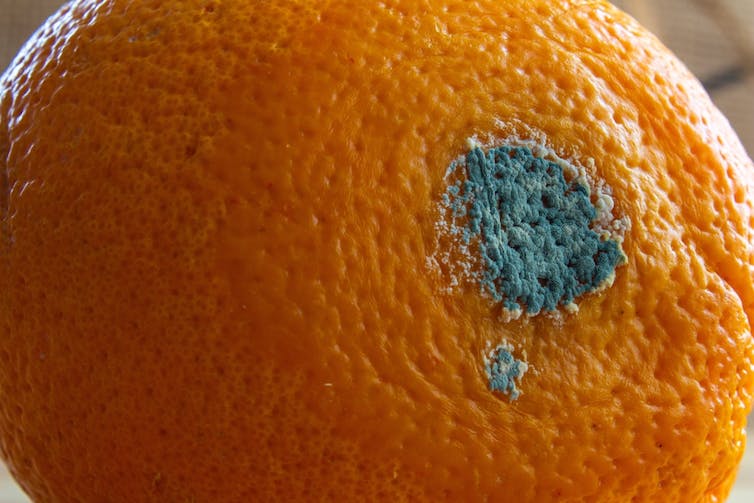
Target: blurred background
{"x":715,"y":38}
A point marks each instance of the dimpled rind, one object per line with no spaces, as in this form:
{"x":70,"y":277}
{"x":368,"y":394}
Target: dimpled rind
{"x":217,"y":218}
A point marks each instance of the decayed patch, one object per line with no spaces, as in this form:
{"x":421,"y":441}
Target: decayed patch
{"x":528,"y":229}
{"x":504,"y":371}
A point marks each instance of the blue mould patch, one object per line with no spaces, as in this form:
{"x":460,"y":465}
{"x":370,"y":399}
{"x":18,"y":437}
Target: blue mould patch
{"x":533,"y":229}
{"x":503,"y":370}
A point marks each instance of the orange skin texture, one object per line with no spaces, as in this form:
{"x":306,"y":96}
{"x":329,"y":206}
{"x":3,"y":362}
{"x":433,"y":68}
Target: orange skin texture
{"x":216,"y":219}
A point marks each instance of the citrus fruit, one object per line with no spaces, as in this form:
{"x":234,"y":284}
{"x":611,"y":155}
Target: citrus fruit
{"x":369,"y":251}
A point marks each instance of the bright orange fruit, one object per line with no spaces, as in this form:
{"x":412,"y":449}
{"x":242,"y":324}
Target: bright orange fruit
{"x":245,"y":259}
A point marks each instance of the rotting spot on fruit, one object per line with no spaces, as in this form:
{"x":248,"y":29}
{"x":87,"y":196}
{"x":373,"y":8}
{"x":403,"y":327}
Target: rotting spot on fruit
{"x":504,"y":370}
{"x":531,"y":228}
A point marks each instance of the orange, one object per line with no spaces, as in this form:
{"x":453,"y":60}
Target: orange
{"x":229,"y":272}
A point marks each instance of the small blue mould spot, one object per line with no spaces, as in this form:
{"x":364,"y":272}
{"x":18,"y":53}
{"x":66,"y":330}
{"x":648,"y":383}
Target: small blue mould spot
{"x":503,"y":370}
{"x":532,"y":229}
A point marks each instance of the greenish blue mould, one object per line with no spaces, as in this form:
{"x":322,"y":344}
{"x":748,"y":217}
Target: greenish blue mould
{"x":533,"y":227}
{"x":503,"y":369}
